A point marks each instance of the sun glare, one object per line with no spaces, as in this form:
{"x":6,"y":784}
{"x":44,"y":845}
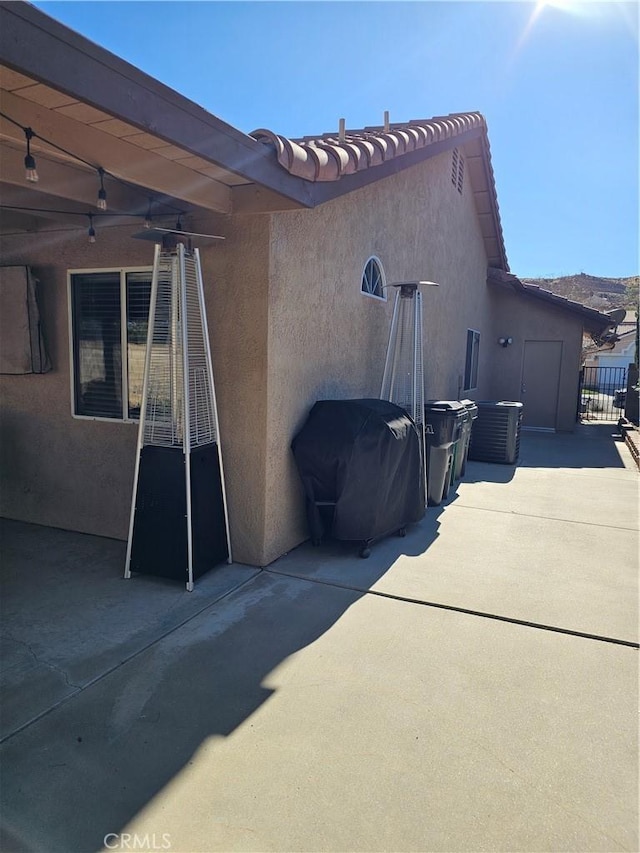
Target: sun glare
{"x":573,"y":7}
{"x":566,"y":5}
{"x":579,"y":9}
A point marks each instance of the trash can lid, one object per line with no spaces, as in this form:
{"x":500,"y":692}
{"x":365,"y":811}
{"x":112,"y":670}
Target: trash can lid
{"x":453,"y":406}
{"x":471,"y":406}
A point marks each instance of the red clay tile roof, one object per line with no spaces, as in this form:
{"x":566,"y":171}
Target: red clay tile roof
{"x":375,"y":152}
{"x":328,"y":158}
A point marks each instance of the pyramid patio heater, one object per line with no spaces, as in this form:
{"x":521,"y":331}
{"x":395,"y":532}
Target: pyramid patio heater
{"x":403,"y":378}
{"x":179,"y":525}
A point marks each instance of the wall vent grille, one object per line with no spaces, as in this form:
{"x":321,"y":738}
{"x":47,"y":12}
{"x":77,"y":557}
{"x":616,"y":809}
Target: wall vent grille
{"x":457,"y":170}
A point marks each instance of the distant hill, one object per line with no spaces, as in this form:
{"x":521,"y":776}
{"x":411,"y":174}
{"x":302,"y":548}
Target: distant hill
{"x":604,"y":294}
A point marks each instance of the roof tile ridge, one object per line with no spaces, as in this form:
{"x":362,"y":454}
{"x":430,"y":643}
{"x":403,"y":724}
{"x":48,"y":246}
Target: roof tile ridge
{"x":452,"y":122}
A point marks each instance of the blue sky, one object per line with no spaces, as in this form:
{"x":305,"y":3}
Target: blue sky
{"x":557,"y":83}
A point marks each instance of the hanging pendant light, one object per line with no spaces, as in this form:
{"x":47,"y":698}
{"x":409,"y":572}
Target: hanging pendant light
{"x":102,"y":193}
{"x":31,"y":173}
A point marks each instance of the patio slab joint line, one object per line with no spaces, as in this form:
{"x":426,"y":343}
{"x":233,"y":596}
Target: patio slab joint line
{"x":133,"y":655}
{"x":543,"y":517}
{"x":480,"y":613}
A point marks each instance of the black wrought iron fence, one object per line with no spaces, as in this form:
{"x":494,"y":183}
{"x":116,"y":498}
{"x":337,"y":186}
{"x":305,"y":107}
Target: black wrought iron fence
{"x":603,"y":392}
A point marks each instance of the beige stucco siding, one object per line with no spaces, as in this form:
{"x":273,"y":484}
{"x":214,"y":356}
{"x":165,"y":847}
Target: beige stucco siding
{"x":289,"y":325}
{"x":328,"y":340}
{"x":57,"y":470}
{"x":236,"y":286}
{"x":526,"y":319}
{"x":78,"y":474}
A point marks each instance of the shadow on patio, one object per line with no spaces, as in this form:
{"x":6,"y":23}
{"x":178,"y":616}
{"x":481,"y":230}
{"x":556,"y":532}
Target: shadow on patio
{"x":142,"y":679}
{"x":125,"y":680}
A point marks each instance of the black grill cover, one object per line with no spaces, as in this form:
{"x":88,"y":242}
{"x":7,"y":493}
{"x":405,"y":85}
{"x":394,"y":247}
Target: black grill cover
{"x":363,"y":455}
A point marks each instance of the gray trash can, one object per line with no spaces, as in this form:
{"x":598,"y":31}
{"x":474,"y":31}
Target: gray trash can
{"x":495,"y":436}
{"x":443,"y":421}
{"x":462,"y":451}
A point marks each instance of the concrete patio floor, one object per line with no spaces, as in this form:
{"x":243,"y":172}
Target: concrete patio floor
{"x":471,"y":687}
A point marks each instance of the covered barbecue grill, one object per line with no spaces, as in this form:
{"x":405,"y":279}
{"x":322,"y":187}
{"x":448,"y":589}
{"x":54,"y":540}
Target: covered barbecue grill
{"x":360,"y":465}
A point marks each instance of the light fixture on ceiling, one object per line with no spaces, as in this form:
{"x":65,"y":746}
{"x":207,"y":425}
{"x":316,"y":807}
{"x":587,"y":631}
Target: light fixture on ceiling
{"x":31,"y":173}
{"x":92,"y":230}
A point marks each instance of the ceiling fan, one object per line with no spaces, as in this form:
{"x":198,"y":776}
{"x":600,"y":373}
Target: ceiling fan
{"x":169,"y":236}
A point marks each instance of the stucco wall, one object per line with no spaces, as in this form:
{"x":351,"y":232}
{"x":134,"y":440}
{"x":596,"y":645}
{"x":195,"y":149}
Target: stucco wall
{"x":236,"y":284}
{"x":289,"y":325}
{"x":523,"y":319}
{"x":57,"y":470}
{"x":78,"y":474}
{"x":327,"y":340}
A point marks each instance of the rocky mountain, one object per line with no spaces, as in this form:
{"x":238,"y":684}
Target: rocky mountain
{"x":604,"y":294}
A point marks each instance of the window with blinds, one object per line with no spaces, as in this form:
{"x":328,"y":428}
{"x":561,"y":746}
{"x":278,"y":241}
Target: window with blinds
{"x":109,"y":317}
{"x":471,"y":360}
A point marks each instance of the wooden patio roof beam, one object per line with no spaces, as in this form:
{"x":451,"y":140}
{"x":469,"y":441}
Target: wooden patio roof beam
{"x":129,"y":162}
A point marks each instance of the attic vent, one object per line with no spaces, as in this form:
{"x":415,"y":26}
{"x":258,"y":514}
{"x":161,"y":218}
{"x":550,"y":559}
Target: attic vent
{"x":457,"y":170}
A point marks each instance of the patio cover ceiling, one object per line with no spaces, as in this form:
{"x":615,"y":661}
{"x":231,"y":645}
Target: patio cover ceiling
{"x":112,"y":115}
{"x":109,"y":113}
{"x":150,"y":165}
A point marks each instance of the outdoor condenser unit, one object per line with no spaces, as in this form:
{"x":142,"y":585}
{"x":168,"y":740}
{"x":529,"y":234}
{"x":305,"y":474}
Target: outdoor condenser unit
{"x":403,"y":378}
{"x":179,"y":525}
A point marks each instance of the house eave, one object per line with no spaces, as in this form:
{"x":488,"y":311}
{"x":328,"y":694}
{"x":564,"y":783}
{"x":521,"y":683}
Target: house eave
{"x":43,"y":50}
{"x":39,"y":47}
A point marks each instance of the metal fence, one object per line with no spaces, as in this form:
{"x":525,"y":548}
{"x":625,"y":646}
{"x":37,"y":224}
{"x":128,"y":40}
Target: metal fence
{"x":603,"y":392}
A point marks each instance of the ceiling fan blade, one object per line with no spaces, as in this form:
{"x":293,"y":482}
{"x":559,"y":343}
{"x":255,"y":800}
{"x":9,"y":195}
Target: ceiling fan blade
{"x":156,"y":235}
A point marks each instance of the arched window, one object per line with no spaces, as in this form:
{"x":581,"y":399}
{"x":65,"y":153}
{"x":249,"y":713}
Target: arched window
{"x":373,"y":280}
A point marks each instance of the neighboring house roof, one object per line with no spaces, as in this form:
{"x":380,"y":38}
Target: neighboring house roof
{"x":107,"y":111}
{"x":626,"y":341}
{"x":593,"y":321}
{"x":627,"y":324}
{"x":352,"y":158}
